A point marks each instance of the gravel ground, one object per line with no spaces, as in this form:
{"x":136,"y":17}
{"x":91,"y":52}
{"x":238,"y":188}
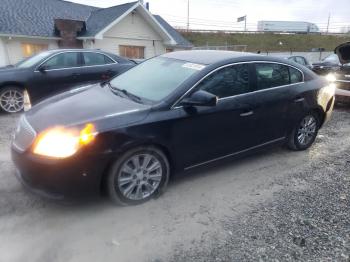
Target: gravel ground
{"x":276,"y":205}
{"x":307,"y":220}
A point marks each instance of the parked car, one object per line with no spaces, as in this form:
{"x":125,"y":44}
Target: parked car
{"x":55,"y":71}
{"x":330,"y":64}
{"x":300,"y":60}
{"x":342,"y":76}
{"x":336,"y":68}
{"x":177,"y":111}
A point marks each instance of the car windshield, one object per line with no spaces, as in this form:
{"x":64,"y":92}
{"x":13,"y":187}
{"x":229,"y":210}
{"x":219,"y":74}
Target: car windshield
{"x":156,"y":78}
{"x":333,"y":58}
{"x":33,"y":60}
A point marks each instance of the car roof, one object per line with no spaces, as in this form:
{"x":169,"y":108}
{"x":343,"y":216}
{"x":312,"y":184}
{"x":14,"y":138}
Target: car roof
{"x":75,"y":50}
{"x":209,"y":57}
{"x":206,"y":57}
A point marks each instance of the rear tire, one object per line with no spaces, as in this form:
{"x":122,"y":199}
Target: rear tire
{"x":304,"y":133}
{"x":138,"y":175}
{"x":12,"y":99}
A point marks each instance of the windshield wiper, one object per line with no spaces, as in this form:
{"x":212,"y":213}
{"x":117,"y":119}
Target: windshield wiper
{"x":125,"y":93}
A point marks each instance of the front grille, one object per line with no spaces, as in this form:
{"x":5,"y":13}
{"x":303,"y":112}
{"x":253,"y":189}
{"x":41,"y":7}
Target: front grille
{"x":24,"y":135}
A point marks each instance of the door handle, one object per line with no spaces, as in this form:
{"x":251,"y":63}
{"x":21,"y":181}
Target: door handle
{"x":299,"y":99}
{"x":249,"y":113}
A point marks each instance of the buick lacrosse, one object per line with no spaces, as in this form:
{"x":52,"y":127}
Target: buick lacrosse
{"x":177,"y":111}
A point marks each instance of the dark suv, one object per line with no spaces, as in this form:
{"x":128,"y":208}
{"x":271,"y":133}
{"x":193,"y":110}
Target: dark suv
{"x":55,"y":71}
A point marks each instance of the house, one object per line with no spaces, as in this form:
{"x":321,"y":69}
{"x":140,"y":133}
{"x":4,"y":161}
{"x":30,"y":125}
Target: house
{"x":130,"y":30}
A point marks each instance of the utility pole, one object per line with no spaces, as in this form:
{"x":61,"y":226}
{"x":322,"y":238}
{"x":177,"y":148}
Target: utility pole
{"x":329,"y":19}
{"x":245,"y":23}
{"x":188,"y":15}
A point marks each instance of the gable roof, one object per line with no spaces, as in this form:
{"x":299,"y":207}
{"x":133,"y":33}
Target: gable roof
{"x":180,"y":40}
{"x":101,"y":18}
{"x":35,"y":18}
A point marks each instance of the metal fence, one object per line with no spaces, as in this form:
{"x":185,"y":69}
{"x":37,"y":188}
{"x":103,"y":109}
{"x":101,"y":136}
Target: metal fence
{"x":239,"y":48}
{"x":312,"y":57}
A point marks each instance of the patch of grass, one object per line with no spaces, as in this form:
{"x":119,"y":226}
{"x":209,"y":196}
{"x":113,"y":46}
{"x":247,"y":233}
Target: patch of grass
{"x":268,"y":41}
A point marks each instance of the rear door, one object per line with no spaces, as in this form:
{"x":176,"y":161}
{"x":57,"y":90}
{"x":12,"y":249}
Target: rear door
{"x":276,"y":90}
{"x":98,"y":67}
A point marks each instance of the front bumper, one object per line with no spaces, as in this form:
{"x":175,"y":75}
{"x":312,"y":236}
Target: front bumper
{"x":76,"y":177}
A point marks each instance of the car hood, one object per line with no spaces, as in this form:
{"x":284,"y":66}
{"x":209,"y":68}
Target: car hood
{"x":326,"y":64}
{"x":89,"y":104}
{"x":343,"y":52}
{"x":11,"y":70}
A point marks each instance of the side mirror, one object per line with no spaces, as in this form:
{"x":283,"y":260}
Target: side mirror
{"x":200,"y":98}
{"x":42,"y":69}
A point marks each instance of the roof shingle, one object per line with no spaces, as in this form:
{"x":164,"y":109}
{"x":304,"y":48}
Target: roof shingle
{"x":36,"y":18}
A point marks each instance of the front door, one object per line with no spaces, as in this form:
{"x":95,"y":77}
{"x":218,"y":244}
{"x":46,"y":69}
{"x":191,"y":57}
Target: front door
{"x":56,"y":75}
{"x":206,"y":133}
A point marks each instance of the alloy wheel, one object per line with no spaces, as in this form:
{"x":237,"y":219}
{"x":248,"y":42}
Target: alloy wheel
{"x":12,"y":100}
{"x":307,"y":130}
{"x":139,"y":176}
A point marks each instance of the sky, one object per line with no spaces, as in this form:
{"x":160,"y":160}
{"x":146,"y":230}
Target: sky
{"x":223,"y":14}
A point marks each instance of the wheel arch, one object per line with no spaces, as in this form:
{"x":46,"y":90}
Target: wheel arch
{"x":321,"y":115}
{"x":12,"y":83}
{"x":159,"y":146}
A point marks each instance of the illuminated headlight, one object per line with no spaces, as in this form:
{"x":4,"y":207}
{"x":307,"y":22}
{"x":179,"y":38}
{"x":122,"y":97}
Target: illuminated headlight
{"x":331,"y":78}
{"x":60,"y":142}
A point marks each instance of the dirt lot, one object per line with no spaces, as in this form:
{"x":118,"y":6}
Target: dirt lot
{"x":276,"y":205}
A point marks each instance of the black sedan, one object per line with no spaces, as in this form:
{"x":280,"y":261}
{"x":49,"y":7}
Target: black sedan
{"x":336,"y":68}
{"x":329,"y":64}
{"x":177,"y":111}
{"x":55,"y":71}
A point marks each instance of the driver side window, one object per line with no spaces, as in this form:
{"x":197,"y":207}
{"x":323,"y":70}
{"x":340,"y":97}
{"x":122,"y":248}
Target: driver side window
{"x":64,"y":60}
{"x":228,"y":81}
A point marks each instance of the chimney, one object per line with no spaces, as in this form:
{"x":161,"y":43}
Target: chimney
{"x":147,"y":6}
{"x":68,"y":30}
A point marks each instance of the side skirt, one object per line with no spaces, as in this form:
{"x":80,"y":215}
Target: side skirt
{"x":237,"y":153}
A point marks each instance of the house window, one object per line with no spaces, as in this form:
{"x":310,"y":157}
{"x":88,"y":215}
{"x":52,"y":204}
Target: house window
{"x":32,"y":49}
{"x":137,"y":52}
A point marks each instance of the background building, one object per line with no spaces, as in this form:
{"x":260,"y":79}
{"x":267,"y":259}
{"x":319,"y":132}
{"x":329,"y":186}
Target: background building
{"x":130,"y":30}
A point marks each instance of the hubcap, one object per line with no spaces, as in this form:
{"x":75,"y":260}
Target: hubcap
{"x":12,"y":101}
{"x":307,"y":130}
{"x":140,"y":176}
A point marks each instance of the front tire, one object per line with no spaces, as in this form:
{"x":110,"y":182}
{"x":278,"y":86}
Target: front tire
{"x":138,"y":175}
{"x":11,"y":99}
{"x":304,"y":133}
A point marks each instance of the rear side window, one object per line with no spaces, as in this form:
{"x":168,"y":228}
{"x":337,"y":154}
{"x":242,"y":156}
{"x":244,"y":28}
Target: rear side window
{"x":92,"y":59}
{"x":228,"y":81}
{"x":271,"y":75}
{"x":295,"y":75}
{"x":300,"y":60}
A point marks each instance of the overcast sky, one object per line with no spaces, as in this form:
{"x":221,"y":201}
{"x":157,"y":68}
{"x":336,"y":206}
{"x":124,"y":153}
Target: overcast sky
{"x":222,"y":14}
